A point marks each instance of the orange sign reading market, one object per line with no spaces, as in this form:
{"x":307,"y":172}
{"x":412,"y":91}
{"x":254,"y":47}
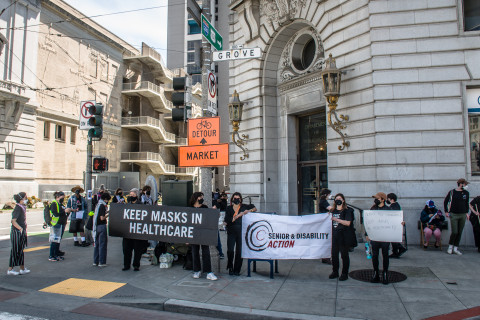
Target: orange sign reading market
{"x":215,"y":155}
{"x":203,"y":131}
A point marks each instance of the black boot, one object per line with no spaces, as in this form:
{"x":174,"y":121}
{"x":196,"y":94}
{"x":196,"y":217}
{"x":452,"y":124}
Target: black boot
{"x":385,"y":277}
{"x":333,"y":275}
{"x":230,"y":271}
{"x":76,"y":244}
{"x":343,"y":277}
{"x":376,"y":277}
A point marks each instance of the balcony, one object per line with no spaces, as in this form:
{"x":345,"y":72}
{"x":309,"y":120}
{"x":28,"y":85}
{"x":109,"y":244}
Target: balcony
{"x":149,"y":90}
{"x":186,"y":171}
{"x":179,"y":142}
{"x":153,"y":126}
{"x":154,"y":60}
{"x":153,"y":160}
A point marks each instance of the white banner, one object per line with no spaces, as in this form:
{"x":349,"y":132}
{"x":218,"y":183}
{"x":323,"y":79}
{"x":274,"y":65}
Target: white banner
{"x":383,"y":225}
{"x":266,"y":236}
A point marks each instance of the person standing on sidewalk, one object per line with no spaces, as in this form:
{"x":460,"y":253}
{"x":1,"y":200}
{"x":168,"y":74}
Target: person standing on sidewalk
{"x":397,"y":248}
{"x":456,"y":205}
{"x":18,"y":235}
{"x":379,"y":204}
{"x":78,"y":217}
{"x":118,"y":196}
{"x":59,"y":220}
{"x":196,"y":201}
{"x":325,"y":207}
{"x":342,"y":219}
{"x":474,"y":218}
{"x":100,"y":234}
{"x":233,"y":218}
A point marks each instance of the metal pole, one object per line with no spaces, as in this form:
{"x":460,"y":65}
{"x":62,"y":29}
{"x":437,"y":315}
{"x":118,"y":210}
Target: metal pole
{"x":206,"y":173}
{"x":88,"y":175}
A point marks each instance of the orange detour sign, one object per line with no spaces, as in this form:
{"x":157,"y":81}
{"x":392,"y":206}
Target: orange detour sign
{"x":203,"y":131}
{"x":215,"y":155}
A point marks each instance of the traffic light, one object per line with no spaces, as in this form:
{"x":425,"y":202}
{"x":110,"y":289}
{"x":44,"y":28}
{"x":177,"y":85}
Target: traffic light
{"x":100,"y":164}
{"x":182,"y":96}
{"x":96,"y":120}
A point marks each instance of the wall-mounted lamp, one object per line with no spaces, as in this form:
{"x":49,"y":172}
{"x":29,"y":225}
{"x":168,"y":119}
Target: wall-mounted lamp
{"x":331,"y":78}
{"x":235,"y":110}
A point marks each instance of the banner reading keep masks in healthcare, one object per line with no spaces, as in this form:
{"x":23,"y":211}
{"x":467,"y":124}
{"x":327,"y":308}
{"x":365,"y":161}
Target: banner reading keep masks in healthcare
{"x":266,"y":236}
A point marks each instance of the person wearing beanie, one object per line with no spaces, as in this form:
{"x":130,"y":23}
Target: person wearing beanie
{"x":456,"y":205}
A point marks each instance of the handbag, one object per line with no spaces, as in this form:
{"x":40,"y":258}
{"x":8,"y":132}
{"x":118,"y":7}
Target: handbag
{"x":55,"y":235}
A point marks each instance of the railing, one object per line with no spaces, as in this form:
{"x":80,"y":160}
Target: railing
{"x":185,"y":171}
{"x":149,"y":121}
{"x":147,"y":85}
{"x":181,"y":141}
{"x":147,"y":156}
{"x":150,"y":52}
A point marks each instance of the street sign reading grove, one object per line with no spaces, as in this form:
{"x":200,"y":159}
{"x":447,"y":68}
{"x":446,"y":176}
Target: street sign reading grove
{"x":235,"y":54}
{"x":85,"y":114}
{"x":215,"y":155}
{"x":202,"y":131}
{"x":211,"y":34}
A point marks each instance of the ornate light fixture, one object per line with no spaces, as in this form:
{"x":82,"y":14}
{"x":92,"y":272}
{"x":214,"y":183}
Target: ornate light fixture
{"x":331,"y":78}
{"x":235,"y":110}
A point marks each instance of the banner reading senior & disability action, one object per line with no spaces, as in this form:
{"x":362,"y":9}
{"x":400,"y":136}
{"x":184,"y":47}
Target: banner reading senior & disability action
{"x":266,"y":236}
{"x":164,"y":223}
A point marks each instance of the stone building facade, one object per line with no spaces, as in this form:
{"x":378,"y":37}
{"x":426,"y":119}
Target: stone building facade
{"x":408,"y":66}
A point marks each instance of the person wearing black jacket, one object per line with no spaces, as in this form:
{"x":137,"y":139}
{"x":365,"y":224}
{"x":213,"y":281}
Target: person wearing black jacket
{"x":397,"y":248}
{"x":137,"y":246}
{"x":325,"y":207}
{"x":379,"y":201}
{"x":196,"y":201}
{"x":342,"y":219}
{"x":474,"y":218}
{"x":456,"y":205}
{"x":233,"y":218}
{"x":59,"y":220}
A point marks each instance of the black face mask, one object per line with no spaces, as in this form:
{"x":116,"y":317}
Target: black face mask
{"x":200,"y":201}
{"x":77,"y":192}
{"x":377,"y":202}
{"x":61,"y":200}
{"x":389,"y":202}
{"x":131,"y":199}
{"x":338,"y":202}
{"x":236,"y":201}
{"x":120,"y":194}
{"x":147,"y":193}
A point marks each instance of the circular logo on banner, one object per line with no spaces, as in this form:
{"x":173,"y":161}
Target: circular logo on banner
{"x":478,"y":99}
{"x":256,"y":236}
{"x":85,"y":113}
{"x":212,"y":85}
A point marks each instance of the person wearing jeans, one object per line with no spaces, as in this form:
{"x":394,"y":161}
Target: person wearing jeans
{"x":59,"y":219}
{"x":100,"y":231}
{"x":456,"y":206}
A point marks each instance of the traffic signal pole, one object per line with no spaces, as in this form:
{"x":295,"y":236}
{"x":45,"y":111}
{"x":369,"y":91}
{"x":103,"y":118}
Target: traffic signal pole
{"x":206,"y":173}
{"x":88,"y":174}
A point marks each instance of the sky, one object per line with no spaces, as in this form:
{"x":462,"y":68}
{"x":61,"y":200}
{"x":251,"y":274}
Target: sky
{"x":149,"y":26}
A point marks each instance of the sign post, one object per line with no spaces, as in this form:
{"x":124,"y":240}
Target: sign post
{"x":211,"y":34}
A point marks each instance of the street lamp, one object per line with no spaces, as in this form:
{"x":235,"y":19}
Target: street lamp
{"x":235,"y":110}
{"x":331,"y":77}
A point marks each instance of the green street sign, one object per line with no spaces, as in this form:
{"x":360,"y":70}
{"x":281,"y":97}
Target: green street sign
{"x":212,"y":35}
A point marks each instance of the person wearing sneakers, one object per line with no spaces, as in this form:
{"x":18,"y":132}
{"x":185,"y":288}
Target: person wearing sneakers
{"x":59,"y":220}
{"x":196,"y":201}
{"x":78,"y":216}
{"x":456,"y":205}
{"x":18,"y":235}
{"x":432,"y":221}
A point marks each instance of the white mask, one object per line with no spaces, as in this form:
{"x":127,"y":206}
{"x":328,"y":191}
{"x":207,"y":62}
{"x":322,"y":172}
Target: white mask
{"x":465,"y":187}
{"x":330,"y":197}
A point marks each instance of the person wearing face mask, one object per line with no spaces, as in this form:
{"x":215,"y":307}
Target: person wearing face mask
{"x":397,"y":248}
{"x":96,"y":197}
{"x":137,"y":246}
{"x":325,"y":207}
{"x":456,"y":205}
{"x":145,"y":197}
{"x":18,"y":235}
{"x":196,"y":201}
{"x":118,"y":196}
{"x":379,"y":204}
{"x":59,"y":219}
{"x":233,"y":219}
{"x":342,"y":219}
{"x":78,"y":216}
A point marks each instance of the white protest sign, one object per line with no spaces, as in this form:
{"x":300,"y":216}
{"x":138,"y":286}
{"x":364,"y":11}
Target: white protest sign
{"x":266,"y":236}
{"x":383,"y":225}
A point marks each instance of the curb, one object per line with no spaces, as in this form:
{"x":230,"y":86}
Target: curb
{"x":230,"y":312}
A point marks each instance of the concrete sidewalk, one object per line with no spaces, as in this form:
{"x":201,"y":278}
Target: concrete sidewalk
{"x":437,"y":284}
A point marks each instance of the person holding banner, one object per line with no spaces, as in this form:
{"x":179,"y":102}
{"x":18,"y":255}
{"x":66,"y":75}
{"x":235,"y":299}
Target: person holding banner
{"x":397,"y":248}
{"x":196,"y":201}
{"x":233,"y":218}
{"x":342,"y":219}
{"x":325,"y":207}
{"x":379,"y":204}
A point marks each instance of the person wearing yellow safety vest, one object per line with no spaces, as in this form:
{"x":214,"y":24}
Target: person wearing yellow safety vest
{"x":59,"y":219}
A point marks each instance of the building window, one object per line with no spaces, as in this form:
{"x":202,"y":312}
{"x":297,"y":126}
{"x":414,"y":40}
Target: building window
{"x":73,"y":135}
{"x":60,"y":132}
{"x":9,"y":158}
{"x":190,"y":57}
{"x":473,"y":105}
{"x":92,"y":95}
{"x":191,"y":45}
{"x":471,"y":15}
{"x":46,"y":130}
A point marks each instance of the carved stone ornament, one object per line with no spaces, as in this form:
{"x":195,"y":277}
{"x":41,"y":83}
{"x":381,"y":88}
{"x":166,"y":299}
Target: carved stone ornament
{"x":281,"y":11}
{"x":288,"y":70}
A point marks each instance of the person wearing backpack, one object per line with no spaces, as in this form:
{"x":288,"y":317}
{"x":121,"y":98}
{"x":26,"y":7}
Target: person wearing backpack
{"x":456,"y":205}
{"x":18,"y":235}
{"x":58,"y":221}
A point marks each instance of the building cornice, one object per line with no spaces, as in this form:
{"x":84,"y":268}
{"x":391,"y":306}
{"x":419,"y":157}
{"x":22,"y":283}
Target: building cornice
{"x":300,"y":81}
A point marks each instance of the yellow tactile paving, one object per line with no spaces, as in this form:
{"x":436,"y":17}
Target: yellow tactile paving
{"x":36,"y":248}
{"x":84,"y":288}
